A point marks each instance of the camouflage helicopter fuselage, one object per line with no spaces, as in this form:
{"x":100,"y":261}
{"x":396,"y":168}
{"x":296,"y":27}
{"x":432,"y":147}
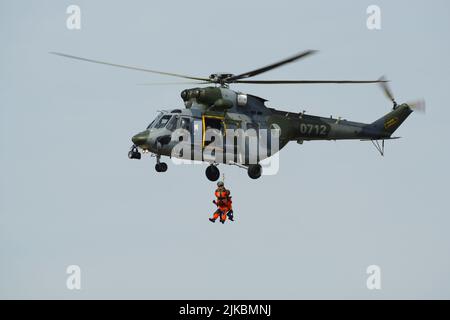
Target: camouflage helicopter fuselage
{"x":219,"y":125}
{"x":244,"y":111}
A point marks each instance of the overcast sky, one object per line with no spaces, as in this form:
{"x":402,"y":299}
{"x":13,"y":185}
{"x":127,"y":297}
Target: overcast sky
{"x":70,"y":196}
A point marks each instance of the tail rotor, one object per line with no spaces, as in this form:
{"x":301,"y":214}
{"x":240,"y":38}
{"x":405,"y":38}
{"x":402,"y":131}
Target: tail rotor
{"x":418,"y":105}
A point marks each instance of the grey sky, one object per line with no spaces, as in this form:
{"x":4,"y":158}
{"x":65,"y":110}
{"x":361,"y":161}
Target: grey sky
{"x":69,"y":194}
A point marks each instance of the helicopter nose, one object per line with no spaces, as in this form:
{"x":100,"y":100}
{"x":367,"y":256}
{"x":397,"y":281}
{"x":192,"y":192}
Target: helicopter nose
{"x":140,"y":138}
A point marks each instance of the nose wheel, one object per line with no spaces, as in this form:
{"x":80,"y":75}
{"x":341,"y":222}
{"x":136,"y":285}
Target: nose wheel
{"x":212,"y":173}
{"x":160,"y":166}
{"x":134,"y":153}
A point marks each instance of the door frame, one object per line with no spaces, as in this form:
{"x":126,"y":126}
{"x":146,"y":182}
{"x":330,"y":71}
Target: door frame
{"x":221,"y":118}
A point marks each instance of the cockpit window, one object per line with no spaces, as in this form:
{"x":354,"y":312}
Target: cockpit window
{"x":172,"y":124}
{"x":163,"y":121}
{"x":152,"y":124}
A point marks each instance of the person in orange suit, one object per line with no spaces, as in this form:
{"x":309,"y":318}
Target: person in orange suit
{"x":223,"y":203}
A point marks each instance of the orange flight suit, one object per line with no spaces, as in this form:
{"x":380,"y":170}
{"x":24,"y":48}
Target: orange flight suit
{"x":223,"y":202}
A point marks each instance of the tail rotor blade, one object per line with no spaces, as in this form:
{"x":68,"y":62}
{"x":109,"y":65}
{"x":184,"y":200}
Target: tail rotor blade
{"x":418,"y":105}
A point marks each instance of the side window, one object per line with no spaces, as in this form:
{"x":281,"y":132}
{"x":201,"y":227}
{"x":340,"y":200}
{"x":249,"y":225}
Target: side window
{"x":185,"y":124}
{"x":162,"y":122}
{"x":172,"y":124}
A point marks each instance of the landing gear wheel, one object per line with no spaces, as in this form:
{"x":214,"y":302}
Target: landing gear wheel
{"x":212,"y":173}
{"x":161,"y":167}
{"x":254,"y":171}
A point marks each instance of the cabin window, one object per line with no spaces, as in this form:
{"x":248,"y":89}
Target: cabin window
{"x":185,"y":123}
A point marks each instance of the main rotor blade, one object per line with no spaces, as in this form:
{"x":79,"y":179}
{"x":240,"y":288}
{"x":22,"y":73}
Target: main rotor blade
{"x":271,"y":66}
{"x":173,"y":83}
{"x":130,"y":67}
{"x":308,"y":81}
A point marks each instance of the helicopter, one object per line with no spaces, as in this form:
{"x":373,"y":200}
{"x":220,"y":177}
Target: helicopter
{"x":213,"y":114}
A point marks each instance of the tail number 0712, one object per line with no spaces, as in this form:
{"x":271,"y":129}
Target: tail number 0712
{"x":313,"y":129}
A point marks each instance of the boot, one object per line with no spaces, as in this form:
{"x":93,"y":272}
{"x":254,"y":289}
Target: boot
{"x":212,"y":220}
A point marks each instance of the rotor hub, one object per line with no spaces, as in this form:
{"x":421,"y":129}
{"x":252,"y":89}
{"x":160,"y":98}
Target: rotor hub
{"x":220,"y":77}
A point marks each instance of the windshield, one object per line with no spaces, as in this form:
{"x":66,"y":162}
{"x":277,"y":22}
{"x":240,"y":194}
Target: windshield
{"x":161,"y":123}
{"x":152,"y":124}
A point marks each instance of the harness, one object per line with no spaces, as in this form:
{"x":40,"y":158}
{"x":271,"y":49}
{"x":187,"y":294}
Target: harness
{"x":223,"y":197}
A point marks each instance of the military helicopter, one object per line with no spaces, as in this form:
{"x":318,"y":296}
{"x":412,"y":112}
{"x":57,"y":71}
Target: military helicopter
{"x":217,"y":107}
